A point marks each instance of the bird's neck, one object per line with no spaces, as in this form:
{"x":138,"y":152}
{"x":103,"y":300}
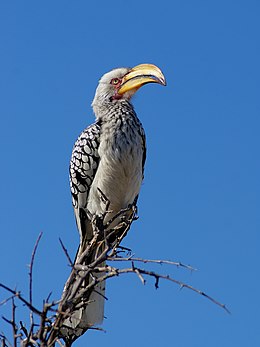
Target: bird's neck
{"x":105,"y":112}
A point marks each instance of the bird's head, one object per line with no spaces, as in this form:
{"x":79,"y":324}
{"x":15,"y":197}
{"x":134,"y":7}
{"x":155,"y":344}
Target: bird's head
{"x":122,"y":83}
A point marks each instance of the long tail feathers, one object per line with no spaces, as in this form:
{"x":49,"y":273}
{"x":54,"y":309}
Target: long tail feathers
{"x":89,"y":311}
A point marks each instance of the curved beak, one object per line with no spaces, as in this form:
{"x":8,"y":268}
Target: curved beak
{"x":140,"y":75}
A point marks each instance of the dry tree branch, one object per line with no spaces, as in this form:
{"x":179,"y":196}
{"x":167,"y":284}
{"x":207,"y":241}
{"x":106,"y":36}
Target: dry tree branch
{"x":112,"y":272}
{"x":4,"y":341}
{"x":19,"y":296}
{"x":31,"y":268}
{"x":12,"y":322}
{"x":31,"y":281}
{"x":155,"y":261}
{"x":6,"y":300}
{"x":66,"y":252}
{"x":87,"y":272}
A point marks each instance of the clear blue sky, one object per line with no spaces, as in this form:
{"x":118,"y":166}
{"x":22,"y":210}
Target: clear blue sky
{"x":200,"y":200}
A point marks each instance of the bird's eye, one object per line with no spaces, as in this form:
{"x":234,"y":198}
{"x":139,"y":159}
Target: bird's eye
{"x":115,"y":81}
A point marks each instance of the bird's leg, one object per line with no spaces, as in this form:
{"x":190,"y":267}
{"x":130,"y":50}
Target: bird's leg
{"x":100,"y":219}
{"x":104,"y":199}
{"x":113,"y":236}
{"x":120,"y":231}
{"x":98,"y":223}
{"x":122,"y":214}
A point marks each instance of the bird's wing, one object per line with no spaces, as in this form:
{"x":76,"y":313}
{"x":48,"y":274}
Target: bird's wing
{"x":83,"y":166}
{"x":142,"y":133}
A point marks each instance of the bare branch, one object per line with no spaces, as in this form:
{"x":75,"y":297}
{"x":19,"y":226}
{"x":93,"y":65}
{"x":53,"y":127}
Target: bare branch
{"x":6,"y":300}
{"x":112,"y":272}
{"x":66,"y":252}
{"x":4,"y":341}
{"x":18,"y":295}
{"x":14,"y":326}
{"x":31,"y":278}
{"x":60,"y":343}
{"x":156,"y":261}
{"x":87,"y":273}
{"x":31,"y":267}
{"x":136,"y":270}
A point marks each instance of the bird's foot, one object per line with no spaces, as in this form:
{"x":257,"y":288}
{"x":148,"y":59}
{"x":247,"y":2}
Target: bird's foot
{"x":104,"y":199}
{"x":98,"y":223}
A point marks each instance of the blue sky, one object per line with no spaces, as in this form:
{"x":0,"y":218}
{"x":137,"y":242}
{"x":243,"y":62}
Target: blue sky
{"x":200,"y":200}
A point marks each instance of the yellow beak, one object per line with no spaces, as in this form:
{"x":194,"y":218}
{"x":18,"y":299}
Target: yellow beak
{"x":140,"y":75}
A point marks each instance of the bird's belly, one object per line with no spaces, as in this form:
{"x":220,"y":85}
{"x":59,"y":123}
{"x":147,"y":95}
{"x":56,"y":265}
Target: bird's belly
{"x":119,"y":179}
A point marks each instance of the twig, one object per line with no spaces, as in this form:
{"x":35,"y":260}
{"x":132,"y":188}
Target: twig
{"x":112,"y":272}
{"x":66,"y":252}
{"x":23,"y":329}
{"x":31,"y":267}
{"x":14,"y":326}
{"x":18,"y":295}
{"x":6,"y":300}
{"x":13,"y":323}
{"x":5,"y":342}
{"x":31,"y":278}
{"x":159,"y":261}
{"x":138,"y":274}
{"x":59,"y":343}
{"x":44,"y":319}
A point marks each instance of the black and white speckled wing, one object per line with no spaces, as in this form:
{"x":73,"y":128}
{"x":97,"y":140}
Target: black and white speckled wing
{"x":83,"y":166}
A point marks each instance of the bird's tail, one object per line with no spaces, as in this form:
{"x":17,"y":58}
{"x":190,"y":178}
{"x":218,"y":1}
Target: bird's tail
{"x":89,"y":311}
{"x":93,"y":314}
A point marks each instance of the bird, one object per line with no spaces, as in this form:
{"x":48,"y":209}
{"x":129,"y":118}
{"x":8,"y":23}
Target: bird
{"x":108,"y":157}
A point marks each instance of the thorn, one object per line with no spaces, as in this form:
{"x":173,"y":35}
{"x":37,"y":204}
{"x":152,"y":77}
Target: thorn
{"x":157,"y":282}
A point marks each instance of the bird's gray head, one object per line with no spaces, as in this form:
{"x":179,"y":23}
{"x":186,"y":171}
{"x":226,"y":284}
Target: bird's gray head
{"x":121,"y":84}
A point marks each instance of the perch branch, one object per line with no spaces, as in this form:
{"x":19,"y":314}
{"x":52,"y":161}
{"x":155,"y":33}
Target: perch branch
{"x":88,"y":271}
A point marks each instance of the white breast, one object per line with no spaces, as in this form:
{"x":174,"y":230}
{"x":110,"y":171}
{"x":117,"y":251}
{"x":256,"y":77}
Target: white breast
{"x":120,"y":172}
